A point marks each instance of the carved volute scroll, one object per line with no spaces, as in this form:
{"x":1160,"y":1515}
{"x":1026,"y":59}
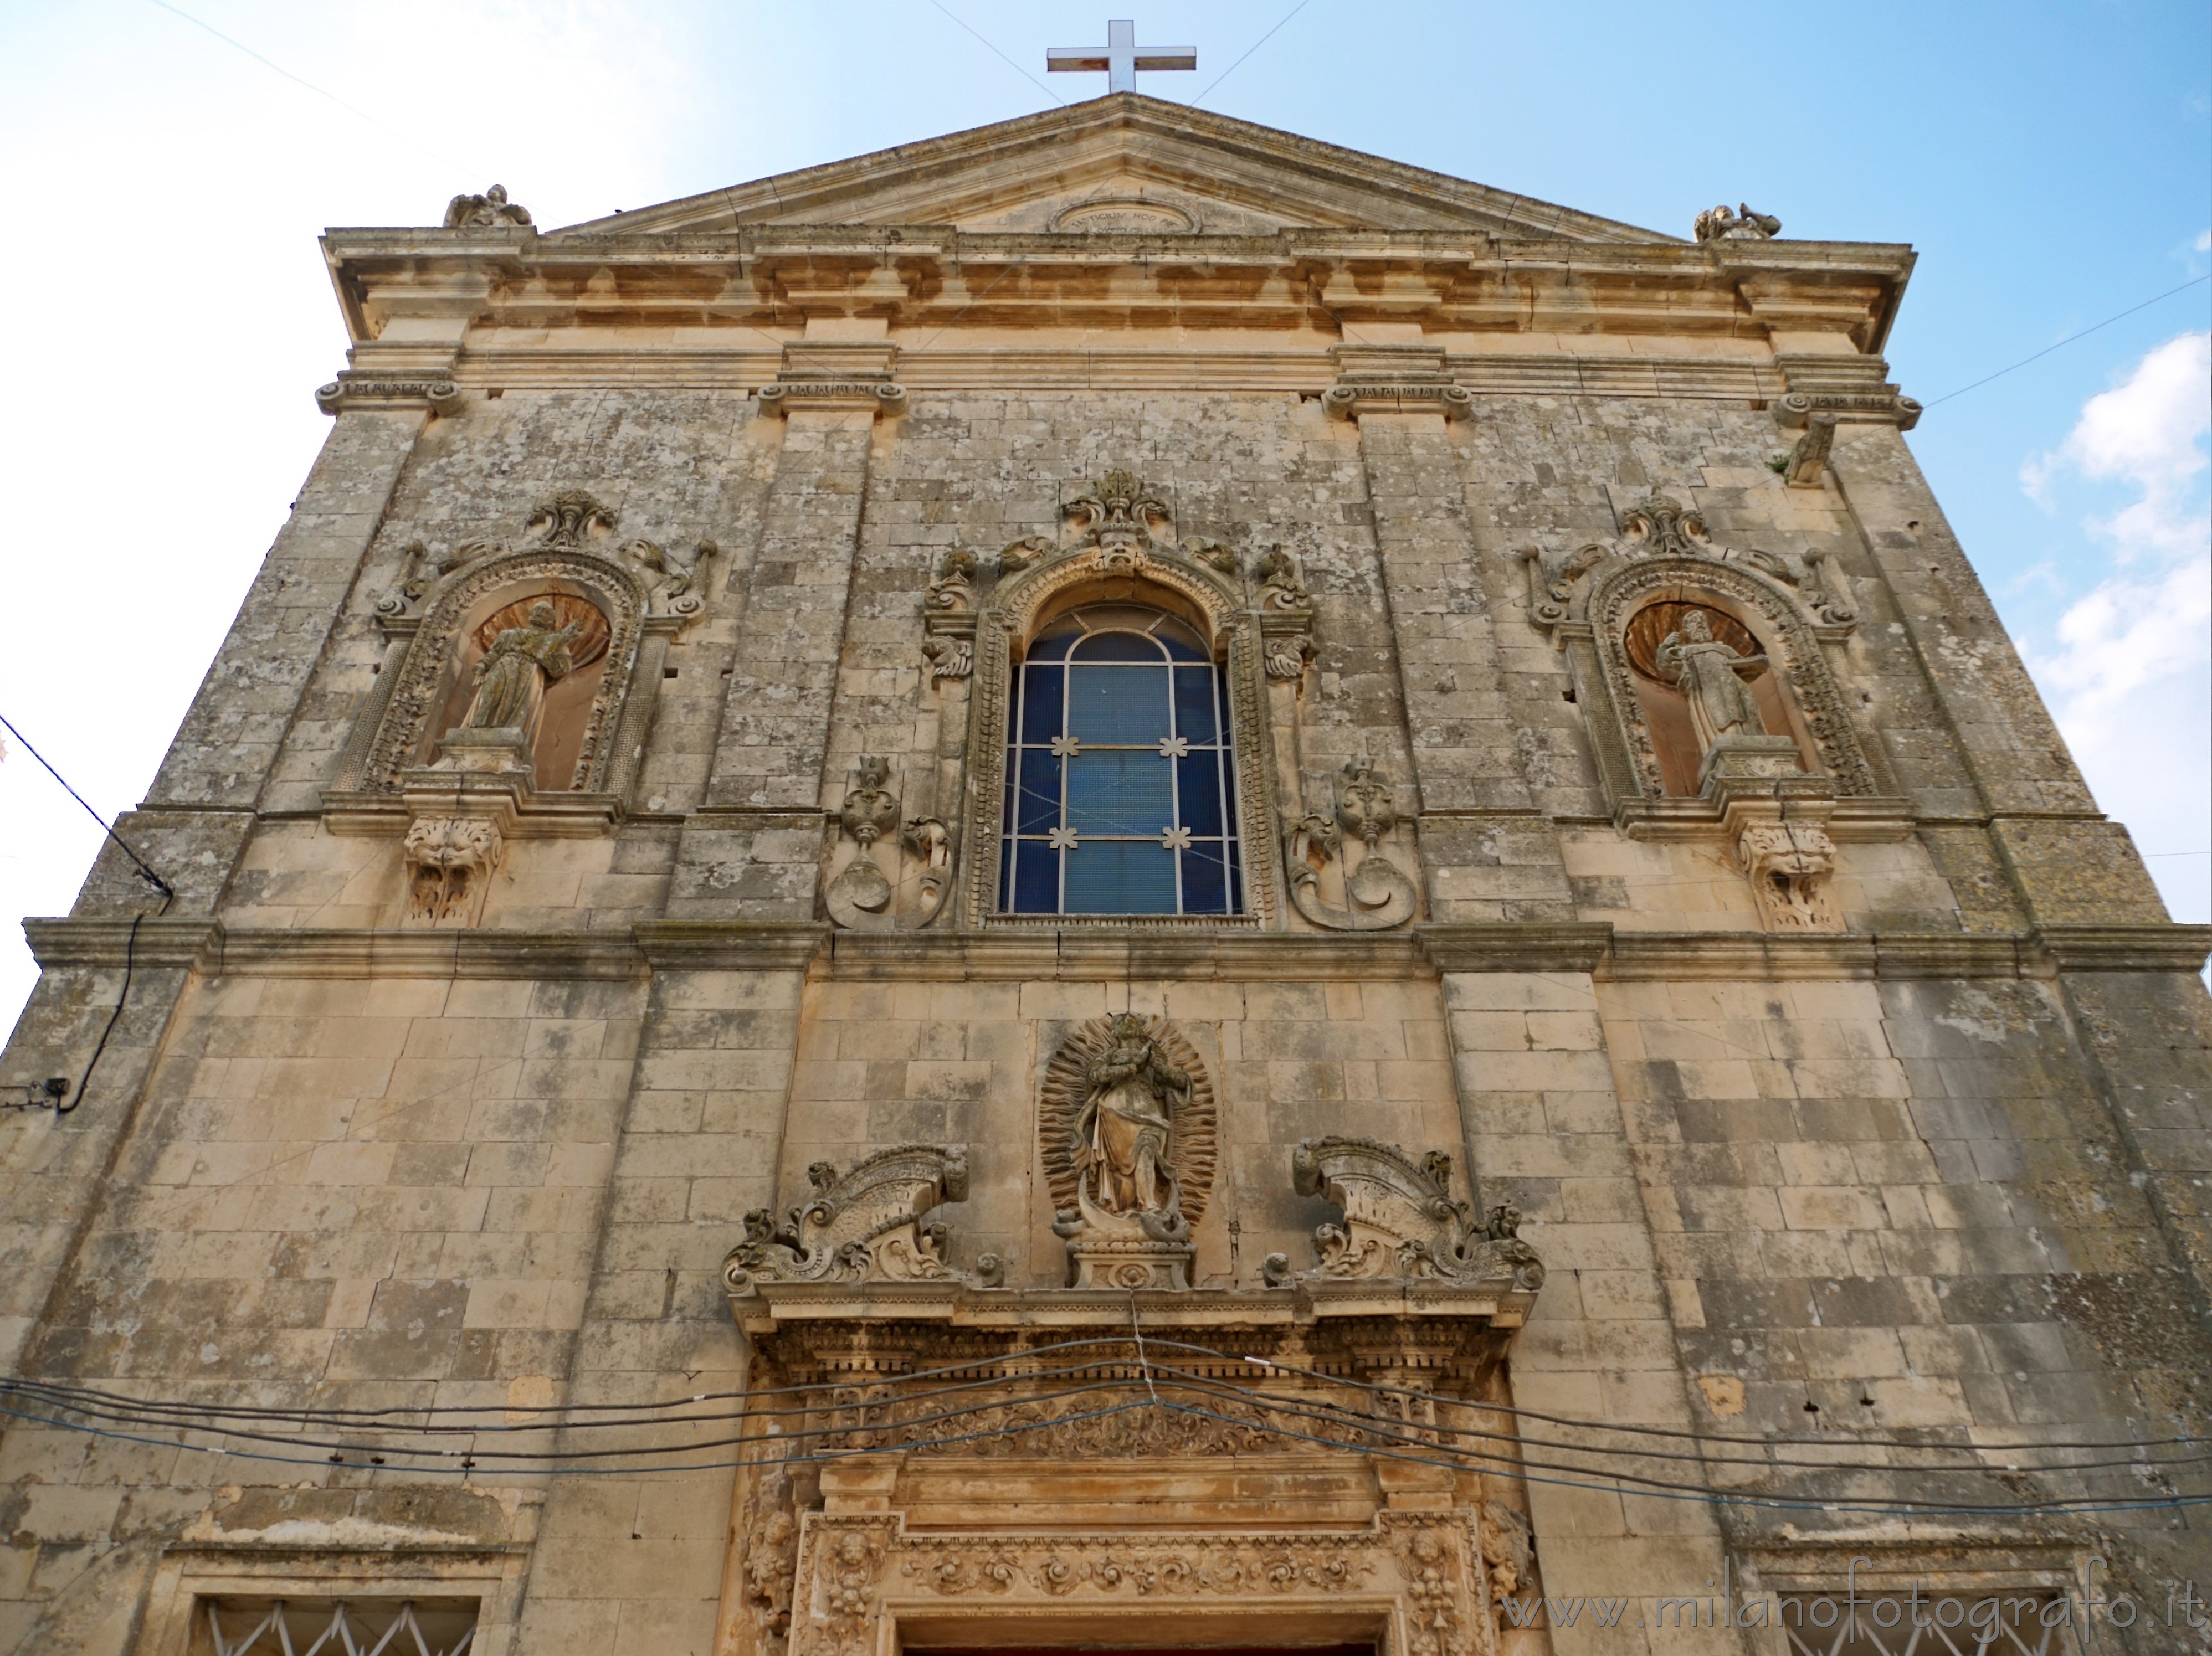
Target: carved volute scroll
{"x":1120,"y":544}
{"x":1378,"y":893}
{"x":862,"y":895}
{"x":1400,"y":1220}
{"x":864,"y":1225}
{"x":1129,"y":1136}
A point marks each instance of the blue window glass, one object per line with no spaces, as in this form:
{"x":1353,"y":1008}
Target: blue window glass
{"x":1119,"y":796}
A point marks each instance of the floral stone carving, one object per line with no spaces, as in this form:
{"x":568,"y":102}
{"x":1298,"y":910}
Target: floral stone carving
{"x":1789,"y":865}
{"x":864,"y":1225}
{"x":1129,"y":1145}
{"x":1378,"y":893}
{"x":450,"y":862}
{"x":861,"y":896}
{"x":1400,"y":1220}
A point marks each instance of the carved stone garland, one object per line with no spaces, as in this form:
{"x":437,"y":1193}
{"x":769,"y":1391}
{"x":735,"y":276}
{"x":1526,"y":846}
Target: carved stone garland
{"x":1122,"y":530}
{"x":1125,"y":1190}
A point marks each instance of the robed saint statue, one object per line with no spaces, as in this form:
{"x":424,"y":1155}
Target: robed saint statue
{"x":513,"y":677}
{"x":1712,"y":676}
{"x":1126,"y":1123}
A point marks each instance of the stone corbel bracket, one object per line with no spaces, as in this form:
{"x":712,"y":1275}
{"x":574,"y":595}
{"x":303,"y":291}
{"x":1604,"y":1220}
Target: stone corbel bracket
{"x":1400,"y":1222}
{"x":1349,"y":398}
{"x":1379,"y":894}
{"x":357,"y":388}
{"x":832,"y":376}
{"x":862,"y":1226}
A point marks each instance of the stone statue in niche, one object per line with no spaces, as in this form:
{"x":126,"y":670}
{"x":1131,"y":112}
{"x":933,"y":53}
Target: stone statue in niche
{"x":1129,"y":1145}
{"x":522,"y":662}
{"x":1713,"y":677}
{"x":1124,"y":1124}
{"x":489,"y":211}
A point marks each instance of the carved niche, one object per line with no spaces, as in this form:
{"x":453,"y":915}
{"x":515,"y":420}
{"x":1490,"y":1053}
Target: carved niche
{"x":1400,"y":1220}
{"x":862,"y":1226}
{"x":1129,"y":1139}
{"x":1590,"y":601}
{"x":1378,"y":893}
{"x":1119,"y":542}
{"x":861,"y":895}
{"x":516,"y":689}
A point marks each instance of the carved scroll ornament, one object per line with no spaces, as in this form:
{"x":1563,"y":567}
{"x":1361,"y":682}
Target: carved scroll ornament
{"x":861,"y":897}
{"x":864,"y":1225}
{"x":1400,"y":1220}
{"x":1378,"y":893}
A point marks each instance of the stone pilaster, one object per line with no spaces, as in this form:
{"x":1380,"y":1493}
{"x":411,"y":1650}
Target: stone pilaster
{"x":1487,"y":853}
{"x":752,"y":850}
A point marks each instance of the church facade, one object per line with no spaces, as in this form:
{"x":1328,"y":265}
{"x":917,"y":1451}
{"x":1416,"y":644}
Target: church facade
{"x":1119,"y":883}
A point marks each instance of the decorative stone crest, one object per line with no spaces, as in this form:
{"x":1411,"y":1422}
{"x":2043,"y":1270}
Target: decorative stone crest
{"x":1286,"y":614}
{"x":1117,"y":514}
{"x":1129,"y":1128}
{"x":491,"y":210}
{"x":1400,"y":1220}
{"x":449,"y":863}
{"x":864,"y":1225}
{"x":1719,"y":224}
{"x":1378,"y":893}
{"x":1789,"y":865}
{"x":861,"y":896}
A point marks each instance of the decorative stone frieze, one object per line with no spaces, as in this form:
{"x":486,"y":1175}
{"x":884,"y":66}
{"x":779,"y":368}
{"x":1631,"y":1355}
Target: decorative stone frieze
{"x":864,"y":1225}
{"x":357,"y":388}
{"x":861,"y":896}
{"x":1129,"y":1139}
{"x":1400,"y":1220}
{"x":1377,"y":893}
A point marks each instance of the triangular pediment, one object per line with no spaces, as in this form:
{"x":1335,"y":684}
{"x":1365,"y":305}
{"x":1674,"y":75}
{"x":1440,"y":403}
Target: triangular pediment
{"x":1123,"y":164}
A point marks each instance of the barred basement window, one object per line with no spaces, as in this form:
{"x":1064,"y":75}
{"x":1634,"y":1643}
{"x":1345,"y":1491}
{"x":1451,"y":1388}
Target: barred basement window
{"x":1120,"y":791}
{"x":344,"y":1627}
{"x":1932,"y":1621}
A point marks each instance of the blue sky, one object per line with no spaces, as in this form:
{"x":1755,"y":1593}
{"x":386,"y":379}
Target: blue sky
{"x":165,"y":316}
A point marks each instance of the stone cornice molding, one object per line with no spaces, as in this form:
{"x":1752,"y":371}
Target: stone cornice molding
{"x":1597,"y":948}
{"x":927,"y":276}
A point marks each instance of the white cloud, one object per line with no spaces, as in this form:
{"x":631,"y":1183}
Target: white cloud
{"x":2148,"y":432}
{"x":2129,"y":671}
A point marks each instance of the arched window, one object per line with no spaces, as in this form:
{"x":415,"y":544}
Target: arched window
{"x":1120,"y":789}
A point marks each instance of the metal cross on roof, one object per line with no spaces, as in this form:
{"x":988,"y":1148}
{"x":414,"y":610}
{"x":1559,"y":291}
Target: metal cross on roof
{"x":1120,"y":58}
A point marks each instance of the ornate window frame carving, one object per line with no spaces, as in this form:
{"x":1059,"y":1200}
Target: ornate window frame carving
{"x":1010,"y":614}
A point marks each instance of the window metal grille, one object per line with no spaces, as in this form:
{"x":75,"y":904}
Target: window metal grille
{"x":1120,"y":791}
{"x":1943,"y":1622}
{"x":279,"y":1627}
